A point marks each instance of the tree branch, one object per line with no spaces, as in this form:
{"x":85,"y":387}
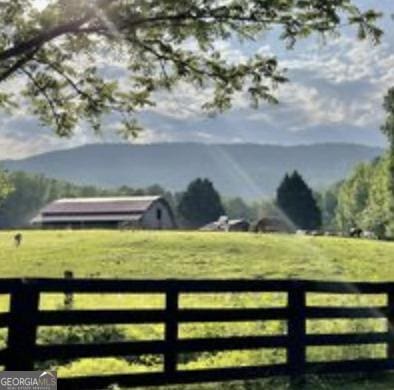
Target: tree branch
{"x":17,"y":65}
{"x":44,"y":93}
{"x":42,"y":38}
{"x":47,"y":36}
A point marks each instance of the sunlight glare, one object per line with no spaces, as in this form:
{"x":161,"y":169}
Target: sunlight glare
{"x":40,"y":4}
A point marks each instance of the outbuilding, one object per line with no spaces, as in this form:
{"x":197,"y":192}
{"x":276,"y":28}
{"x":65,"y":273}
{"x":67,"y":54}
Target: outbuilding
{"x":224,"y":224}
{"x":139,"y":212}
{"x":274,"y":225}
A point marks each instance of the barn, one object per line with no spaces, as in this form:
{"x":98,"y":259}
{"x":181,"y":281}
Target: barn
{"x":140,"y":212}
{"x":274,"y":225}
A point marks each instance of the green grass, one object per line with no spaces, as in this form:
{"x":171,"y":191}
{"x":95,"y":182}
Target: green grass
{"x":162,"y":255}
{"x":193,"y":255}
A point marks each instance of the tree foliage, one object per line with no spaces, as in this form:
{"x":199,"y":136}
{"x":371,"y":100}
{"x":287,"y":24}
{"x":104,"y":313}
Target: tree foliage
{"x":364,"y":199}
{"x":237,"y":208}
{"x":295,"y":199}
{"x":200,"y":204}
{"x":388,"y":131}
{"x":328,"y":203}
{"x":388,"y":126}
{"x":353,"y":198}
{"x":59,"y":53}
{"x":5,"y":186}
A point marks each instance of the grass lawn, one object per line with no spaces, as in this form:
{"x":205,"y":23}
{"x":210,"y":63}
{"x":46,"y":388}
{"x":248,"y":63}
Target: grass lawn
{"x":114,"y":254}
{"x":158,"y":255}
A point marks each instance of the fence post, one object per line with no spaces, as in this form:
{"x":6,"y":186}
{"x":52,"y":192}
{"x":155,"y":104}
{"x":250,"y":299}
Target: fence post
{"x":390,"y":324}
{"x":68,"y":296}
{"x":296,"y":352}
{"x":171,"y":332}
{"x":23,"y":327}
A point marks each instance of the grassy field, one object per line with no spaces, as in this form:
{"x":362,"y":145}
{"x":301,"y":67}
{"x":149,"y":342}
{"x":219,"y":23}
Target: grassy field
{"x":193,"y":255}
{"x":158,"y":255}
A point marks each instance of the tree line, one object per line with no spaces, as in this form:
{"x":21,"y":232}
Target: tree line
{"x":366,"y":199}
{"x":199,"y":204}
{"x":363,"y":200}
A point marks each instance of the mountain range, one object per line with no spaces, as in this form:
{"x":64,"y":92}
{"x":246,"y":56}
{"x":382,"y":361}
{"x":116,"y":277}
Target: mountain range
{"x":247,"y":170}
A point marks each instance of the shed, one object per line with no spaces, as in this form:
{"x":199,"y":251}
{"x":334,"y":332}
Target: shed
{"x":238,"y":225}
{"x":273,"y":225}
{"x":141,"y":212}
{"x":224,"y":224}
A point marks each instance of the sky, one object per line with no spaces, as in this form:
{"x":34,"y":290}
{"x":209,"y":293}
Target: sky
{"x":335,"y":94}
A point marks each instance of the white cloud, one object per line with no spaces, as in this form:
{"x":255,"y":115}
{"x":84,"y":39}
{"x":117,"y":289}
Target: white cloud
{"x":149,"y":136}
{"x":13,"y":148}
{"x":342,"y":84}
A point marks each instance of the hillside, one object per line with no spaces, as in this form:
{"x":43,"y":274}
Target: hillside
{"x":246,"y":170}
{"x":164,"y":255}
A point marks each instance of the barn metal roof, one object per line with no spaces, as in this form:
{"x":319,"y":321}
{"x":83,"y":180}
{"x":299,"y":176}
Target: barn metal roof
{"x":99,"y":206}
{"x":86,"y":218}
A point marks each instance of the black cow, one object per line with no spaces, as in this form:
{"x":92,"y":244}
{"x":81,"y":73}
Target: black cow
{"x":18,"y":239}
{"x":356,"y":232}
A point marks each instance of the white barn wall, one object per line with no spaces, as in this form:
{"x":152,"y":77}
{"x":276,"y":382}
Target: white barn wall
{"x":150,"y":220}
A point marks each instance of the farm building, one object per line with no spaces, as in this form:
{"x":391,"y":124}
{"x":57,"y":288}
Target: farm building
{"x":274,"y":225}
{"x":142,"y":212}
{"x":224,"y":224}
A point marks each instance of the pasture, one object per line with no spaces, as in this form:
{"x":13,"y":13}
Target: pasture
{"x":158,"y":255}
{"x":163,"y":255}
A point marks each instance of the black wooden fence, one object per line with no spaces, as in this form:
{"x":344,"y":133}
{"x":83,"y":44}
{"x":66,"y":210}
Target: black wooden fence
{"x":25,"y":316}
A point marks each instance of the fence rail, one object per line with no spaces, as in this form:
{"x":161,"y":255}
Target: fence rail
{"x":25,"y":317}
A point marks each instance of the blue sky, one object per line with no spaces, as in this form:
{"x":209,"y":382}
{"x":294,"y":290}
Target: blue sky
{"x":335,"y":95}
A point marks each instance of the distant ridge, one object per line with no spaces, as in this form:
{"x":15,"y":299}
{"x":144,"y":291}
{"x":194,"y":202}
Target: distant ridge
{"x":247,"y":170}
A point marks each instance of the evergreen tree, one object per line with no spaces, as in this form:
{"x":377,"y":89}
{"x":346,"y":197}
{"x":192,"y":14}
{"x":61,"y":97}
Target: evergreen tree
{"x":296,"y":200}
{"x":200,"y":204}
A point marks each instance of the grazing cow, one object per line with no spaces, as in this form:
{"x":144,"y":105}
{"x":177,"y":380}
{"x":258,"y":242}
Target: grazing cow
{"x":369,"y":235}
{"x":356,"y":232}
{"x":18,"y":239}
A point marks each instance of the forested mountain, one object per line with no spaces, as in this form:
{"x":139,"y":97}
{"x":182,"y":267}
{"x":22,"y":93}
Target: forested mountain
{"x":245,"y":170}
